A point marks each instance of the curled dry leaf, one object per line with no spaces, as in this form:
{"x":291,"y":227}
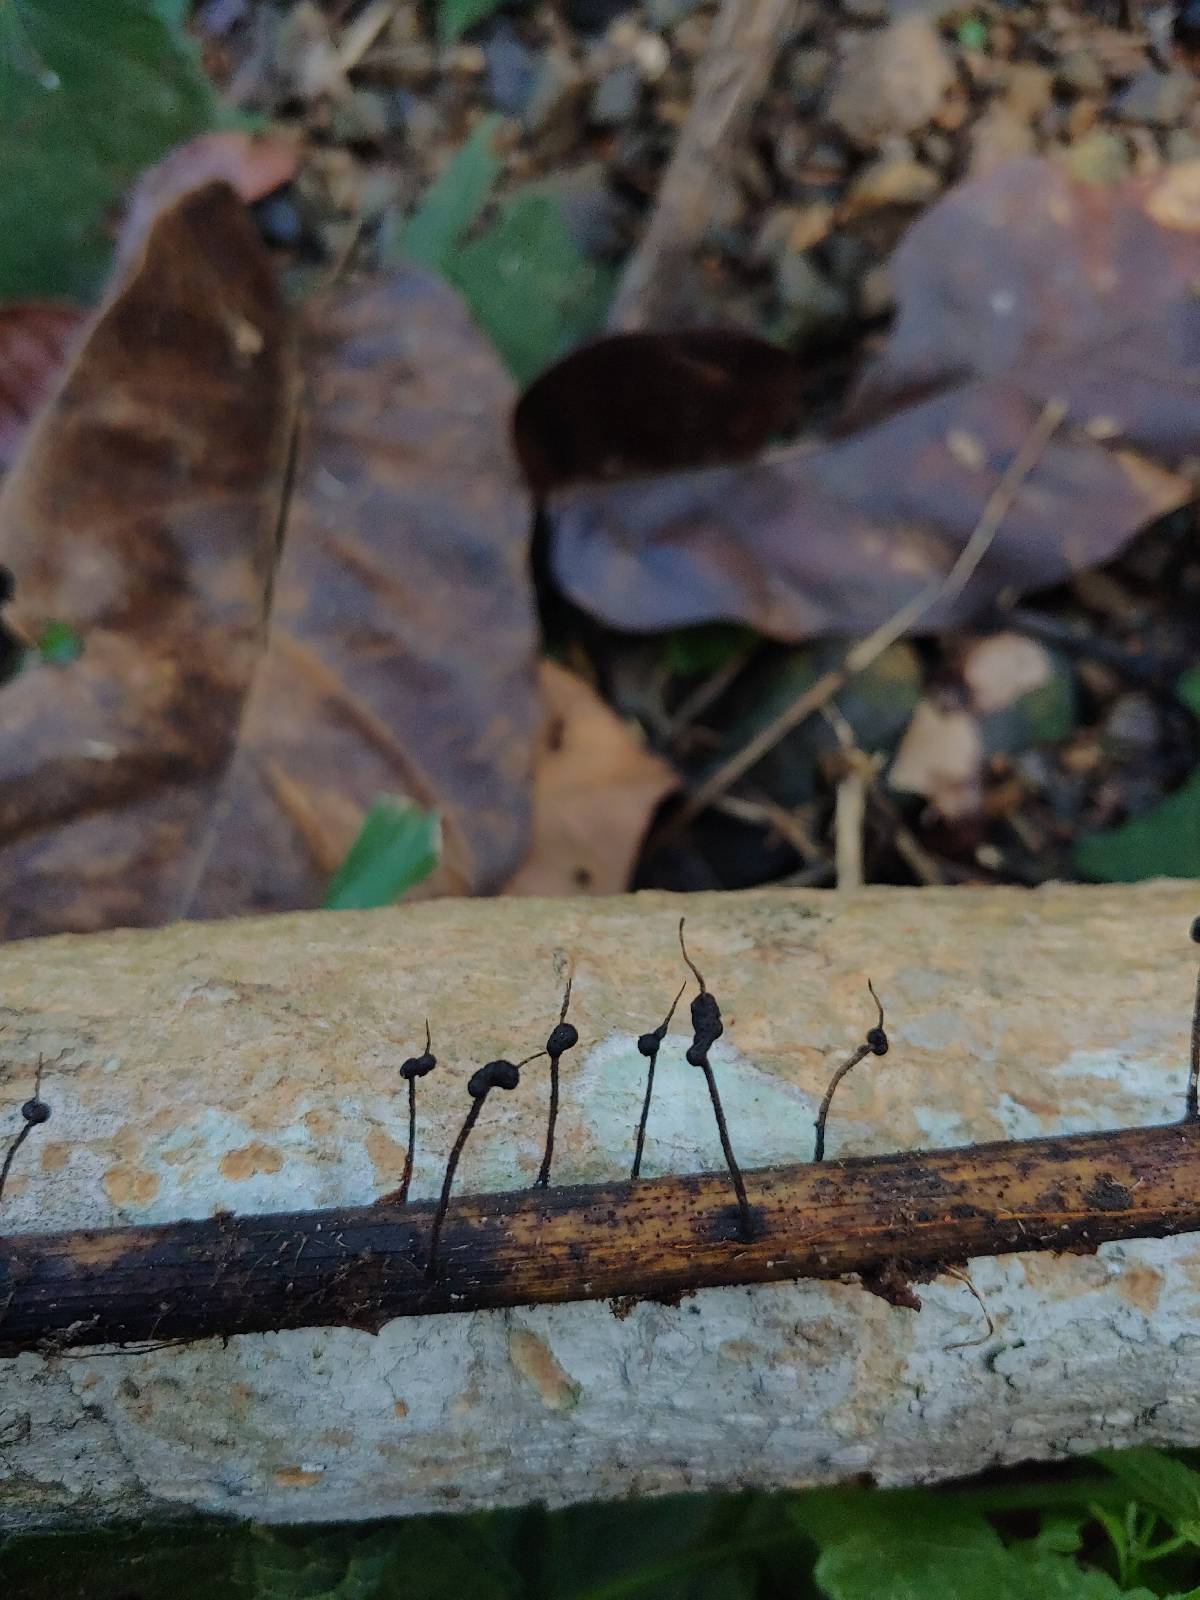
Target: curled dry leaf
{"x":255,"y":669}
{"x":1018,"y":287}
{"x":595,"y":790}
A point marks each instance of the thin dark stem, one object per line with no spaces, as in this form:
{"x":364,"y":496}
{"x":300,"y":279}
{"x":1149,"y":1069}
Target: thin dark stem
{"x":10,"y":1157}
{"x":735,"y":1172}
{"x":464,"y":1133}
{"x":561,"y":1039}
{"x":823,"y":1113}
{"x":1192,"y":1109}
{"x":402,"y":1197}
{"x":542,"y":1180}
{"x":649,"y":1045}
{"x":696,"y":973}
{"x":641,"y":1132}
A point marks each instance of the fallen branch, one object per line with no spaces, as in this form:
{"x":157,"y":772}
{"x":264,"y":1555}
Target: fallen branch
{"x":887,"y":1219}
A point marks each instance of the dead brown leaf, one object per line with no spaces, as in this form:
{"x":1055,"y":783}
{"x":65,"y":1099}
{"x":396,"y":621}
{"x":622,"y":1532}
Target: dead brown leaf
{"x":1018,"y":287}
{"x":595,"y":790}
{"x":34,"y":336}
{"x":249,"y":681}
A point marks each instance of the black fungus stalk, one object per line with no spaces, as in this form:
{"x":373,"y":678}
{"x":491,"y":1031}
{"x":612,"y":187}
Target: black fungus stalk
{"x":415,"y":1067}
{"x":875,"y":1044}
{"x":1191,"y":1111}
{"x":34,"y":1112}
{"x":707,"y":1028}
{"x":649,"y":1044}
{"x":495,"y":1075}
{"x":563,"y":1037}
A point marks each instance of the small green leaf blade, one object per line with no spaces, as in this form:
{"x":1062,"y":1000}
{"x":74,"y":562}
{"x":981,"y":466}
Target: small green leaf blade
{"x":455,"y":17}
{"x":88,"y":101}
{"x":1156,"y":1480}
{"x":529,"y":287}
{"x":1163,"y":842}
{"x":453,"y":201}
{"x":397,"y":846}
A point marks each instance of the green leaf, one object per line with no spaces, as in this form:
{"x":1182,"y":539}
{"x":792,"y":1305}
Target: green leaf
{"x":688,"y":652}
{"x":1156,"y":1480}
{"x":397,"y":845}
{"x":91,"y":91}
{"x":454,"y":17}
{"x":530,"y":289}
{"x":58,"y":644}
{"x":453,"y":201}
{"x":1164,"y":841}
{"x":322,"y":1566}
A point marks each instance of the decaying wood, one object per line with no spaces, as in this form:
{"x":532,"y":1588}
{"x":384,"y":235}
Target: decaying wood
{"x":228,"y":1098}
{"x":888,"y":1219}
{"x":746,"y":38}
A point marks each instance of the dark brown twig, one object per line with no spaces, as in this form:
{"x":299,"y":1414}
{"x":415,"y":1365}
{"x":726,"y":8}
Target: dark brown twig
{"x":562,"y":1038}
{"x":707,"y":1028}
{"x":875,"y":1044}
{"x":649,"y":1045}
{"x":362,"y":1266}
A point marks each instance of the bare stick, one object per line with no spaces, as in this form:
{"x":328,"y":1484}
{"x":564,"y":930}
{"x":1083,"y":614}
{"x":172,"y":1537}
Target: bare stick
{"x":875,"y":1044}
{"x":872,"y":647}
{"x":649,"y":1045}
{"x":741,"y":50}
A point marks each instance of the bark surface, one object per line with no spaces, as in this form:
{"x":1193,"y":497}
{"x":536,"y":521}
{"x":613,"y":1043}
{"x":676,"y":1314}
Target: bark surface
{"x":252,"y":1068}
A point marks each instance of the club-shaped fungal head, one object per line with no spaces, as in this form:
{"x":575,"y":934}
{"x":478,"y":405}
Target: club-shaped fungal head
{"x":1196,"y":931}
{"x":495,"y":1075}
{"x":706,"y":1023}
{"x":563,"y":1037}
{"x":878,"y":1041}
{"x":35,"y":1111}
{"x":650,"y":1043}
{"x":419,"y":1066}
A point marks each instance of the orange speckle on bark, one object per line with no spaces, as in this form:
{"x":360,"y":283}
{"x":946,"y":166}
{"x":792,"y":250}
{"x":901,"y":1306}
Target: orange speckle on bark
{"x":237,"y":1165}
{"x":130,"y":1186}
{"x":298,"y":1477}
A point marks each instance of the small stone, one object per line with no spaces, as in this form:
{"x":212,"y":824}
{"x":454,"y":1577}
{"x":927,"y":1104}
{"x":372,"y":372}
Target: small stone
{"x":894,"y":181}
{"x":361,"y":118}
{"x":807,"y":76}
{"x":809,"y":299}
{"x":1132,"y":725}
{"x":892,"y":82}
{"x":651,"y":55}
{"x":792,"y":229}
{"x":616,"y":97}
{"x":1183,"y":145}
{"x":1162,"y":99}
{"x":554,"y":93}
{"x":667,"y":14}
{"x":1082,"y":72}
{"x":510,"y":67}
{"x":1099,"y":157}
{"x":1000,"y":135}
{"x":877,"y":293}
{"x":865,"y":10}
{"x":1029,"y":89}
